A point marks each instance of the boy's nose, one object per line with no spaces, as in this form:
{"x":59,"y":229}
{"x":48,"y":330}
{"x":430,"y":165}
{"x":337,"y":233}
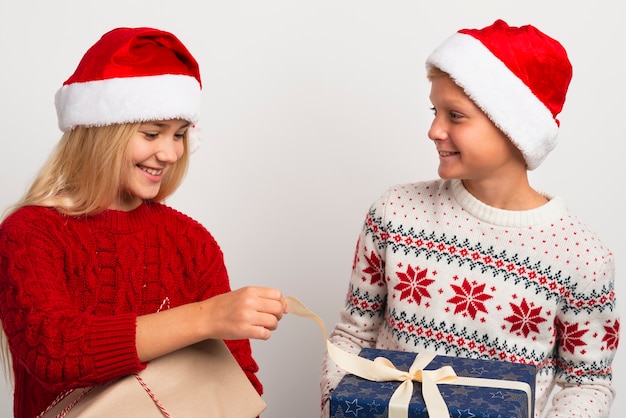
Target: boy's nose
{"x":437,"y":131}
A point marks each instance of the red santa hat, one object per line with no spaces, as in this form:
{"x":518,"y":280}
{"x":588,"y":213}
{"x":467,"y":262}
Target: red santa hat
{"x":131,"y":75}
{"x":518,"y":76}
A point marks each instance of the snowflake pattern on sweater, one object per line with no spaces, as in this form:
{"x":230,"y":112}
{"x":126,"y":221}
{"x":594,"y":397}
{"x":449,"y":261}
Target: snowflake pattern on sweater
{"x":437,"y":270}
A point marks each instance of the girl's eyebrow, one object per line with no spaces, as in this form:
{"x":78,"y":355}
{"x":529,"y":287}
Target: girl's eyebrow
{"x":162,"y":124}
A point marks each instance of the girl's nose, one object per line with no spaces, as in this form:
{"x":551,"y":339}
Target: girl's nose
{"x":169,"y":150}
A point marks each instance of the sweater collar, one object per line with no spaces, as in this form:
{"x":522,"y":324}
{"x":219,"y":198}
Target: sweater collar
{"x":553,"y":210}
{"x":122,"y":221}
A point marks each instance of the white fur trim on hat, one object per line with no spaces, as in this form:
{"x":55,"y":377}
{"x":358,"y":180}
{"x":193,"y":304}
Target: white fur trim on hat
{"x":128,"y":99}
{"x":506,"y":100}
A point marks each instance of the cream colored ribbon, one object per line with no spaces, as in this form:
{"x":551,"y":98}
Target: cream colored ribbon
{"x":382,"y":370}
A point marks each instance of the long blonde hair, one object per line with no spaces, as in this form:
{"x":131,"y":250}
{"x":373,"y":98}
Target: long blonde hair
{"x":83,"y":176}
{"x":85,"y":172}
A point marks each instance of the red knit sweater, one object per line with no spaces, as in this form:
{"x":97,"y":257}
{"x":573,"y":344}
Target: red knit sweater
{"x":71,"y":289}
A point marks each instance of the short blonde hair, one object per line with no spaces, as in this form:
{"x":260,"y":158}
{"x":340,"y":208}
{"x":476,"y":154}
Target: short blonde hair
{"x":435,"y":72}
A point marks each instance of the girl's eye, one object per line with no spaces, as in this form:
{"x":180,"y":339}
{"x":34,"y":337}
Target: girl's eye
{"x":180,"y":136}
{"x":150,"y":135}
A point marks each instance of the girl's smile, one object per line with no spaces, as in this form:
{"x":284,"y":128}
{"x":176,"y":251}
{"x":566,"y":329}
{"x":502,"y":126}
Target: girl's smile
{"x":154,"y":149}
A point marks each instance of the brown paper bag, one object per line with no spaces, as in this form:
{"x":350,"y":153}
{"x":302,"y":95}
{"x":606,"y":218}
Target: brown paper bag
{"x":202,"y":380}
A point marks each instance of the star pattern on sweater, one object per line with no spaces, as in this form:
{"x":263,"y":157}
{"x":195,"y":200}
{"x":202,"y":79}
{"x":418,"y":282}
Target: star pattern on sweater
{"x":413,"y":284}
{"x":570,"y":336}
{"x":375,"y":269}
{"x":525,"y":318}
{"x":611,"y":337}
{"x":469,"y":298}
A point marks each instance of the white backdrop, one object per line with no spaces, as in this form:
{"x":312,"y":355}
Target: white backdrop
{"x":311,"y":109}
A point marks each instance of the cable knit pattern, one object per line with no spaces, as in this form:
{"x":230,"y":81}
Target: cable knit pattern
{"x":437,"y":270}
{"x":71,"y":289}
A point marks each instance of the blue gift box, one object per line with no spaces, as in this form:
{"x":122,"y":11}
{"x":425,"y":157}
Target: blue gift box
{"x":362,"y":398}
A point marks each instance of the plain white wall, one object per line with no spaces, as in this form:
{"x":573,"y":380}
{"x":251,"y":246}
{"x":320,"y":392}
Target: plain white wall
{"x":311,"y":109}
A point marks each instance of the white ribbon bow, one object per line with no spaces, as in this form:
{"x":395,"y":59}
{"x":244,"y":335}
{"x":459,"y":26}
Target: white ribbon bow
{"x":382,"y":370}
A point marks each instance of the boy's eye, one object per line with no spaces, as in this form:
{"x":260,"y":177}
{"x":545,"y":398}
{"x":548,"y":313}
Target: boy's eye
{"x":432,"y":109}
{"x":455,"y":115}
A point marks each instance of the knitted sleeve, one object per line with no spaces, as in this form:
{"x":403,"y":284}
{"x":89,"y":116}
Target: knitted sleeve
{"x":60,"y":345}
{"x":587,"y":338}
{"x":363,"y":314}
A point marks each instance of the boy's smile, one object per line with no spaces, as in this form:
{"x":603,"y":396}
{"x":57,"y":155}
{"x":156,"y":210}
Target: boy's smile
{"x":469,"y":145}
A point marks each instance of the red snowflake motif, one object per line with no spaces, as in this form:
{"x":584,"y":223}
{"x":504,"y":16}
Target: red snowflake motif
{"x":375,"y":270}
{"x":524,"y":318}
{"x":356,"y":252}
{"x":570,"y":336}
{"x":469,"y":298}
{"x":612,"y":336}
{"x":413,"y":284}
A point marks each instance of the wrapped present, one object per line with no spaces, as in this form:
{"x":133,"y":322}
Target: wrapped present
{"x":467,"y":388}
{"x":380,"y":383}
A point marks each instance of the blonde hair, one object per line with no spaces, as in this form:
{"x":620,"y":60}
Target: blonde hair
{"x":84,"y":174}
{"x":86,"y":170}
{"x":435,"y":72}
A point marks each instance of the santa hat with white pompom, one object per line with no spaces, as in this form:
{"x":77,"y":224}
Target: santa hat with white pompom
{"x":132,"y":75}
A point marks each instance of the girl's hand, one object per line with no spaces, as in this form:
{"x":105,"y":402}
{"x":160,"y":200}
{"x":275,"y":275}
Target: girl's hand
{"x":249,"y":312}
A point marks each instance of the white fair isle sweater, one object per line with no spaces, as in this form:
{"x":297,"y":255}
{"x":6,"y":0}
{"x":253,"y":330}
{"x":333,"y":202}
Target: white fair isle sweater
{"x":437,"y":270}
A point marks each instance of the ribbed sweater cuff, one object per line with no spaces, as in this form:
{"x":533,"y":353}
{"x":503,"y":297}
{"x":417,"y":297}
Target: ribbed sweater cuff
{"x":113,"y":345}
